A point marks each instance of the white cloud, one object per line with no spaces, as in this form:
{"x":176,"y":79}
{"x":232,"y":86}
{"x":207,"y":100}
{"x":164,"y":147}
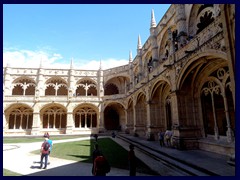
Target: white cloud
{"x":31,"y":59}
{"x":27,"y":58}
{"x":106,"y":64}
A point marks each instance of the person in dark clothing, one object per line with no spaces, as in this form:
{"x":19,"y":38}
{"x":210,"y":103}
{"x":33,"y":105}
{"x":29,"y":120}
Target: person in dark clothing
{"x":101,"y":166}
{"x":132,"y":161}
{"x":113,"y":134}
{"x":95,"y":154}
{"x":161,"y":138}
{"x":96,"y":137}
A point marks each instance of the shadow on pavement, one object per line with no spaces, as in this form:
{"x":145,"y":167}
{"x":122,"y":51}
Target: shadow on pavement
{"x":73,"y":169}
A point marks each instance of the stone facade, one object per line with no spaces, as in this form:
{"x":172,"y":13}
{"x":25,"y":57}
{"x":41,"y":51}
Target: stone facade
{"x":181,"y":79}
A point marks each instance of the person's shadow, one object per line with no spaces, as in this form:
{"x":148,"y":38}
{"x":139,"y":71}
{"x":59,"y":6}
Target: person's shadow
{"x":36,"y":167}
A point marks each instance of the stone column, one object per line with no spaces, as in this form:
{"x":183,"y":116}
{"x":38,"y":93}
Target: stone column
{"x":100,"y":83}
{"x":216,"y":136}
{"x":4,"y":122}
{"x":140,"y":74}
{"x":131,"y":85}
{"x":69,"y":128}
{"x":36,"y":123}
{"x":228,"y":27}
{"x":177,"y":141}
{"x":134,"y":118}
{"x":40,"y":83}
{"x":229,"y":129}
{"x":71,"y":90}
{"x":154,"y":47}
{"x":126,"y":120}
{"x":7,"y":82}
{"x":139,"y":56}
{"x":101,"y":119}
{"x":180,"y":20}
{"x":150,"y":128}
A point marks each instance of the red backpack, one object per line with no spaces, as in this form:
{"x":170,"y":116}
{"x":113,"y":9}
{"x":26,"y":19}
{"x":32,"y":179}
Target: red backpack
{"x":102,"y":164}
{"x":46,"y":146}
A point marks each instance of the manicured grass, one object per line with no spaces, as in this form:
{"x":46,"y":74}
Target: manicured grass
{"x":82,"y":151}
{"x":10,"y":173}
{"x":35,"y":139}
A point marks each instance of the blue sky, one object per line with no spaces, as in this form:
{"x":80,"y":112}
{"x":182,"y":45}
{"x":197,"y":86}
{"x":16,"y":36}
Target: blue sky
{"x":88,"y":33}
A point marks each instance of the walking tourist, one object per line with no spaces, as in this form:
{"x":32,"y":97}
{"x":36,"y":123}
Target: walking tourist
{"x":95,"y":154}
{"x":44,"y":152}
{"x":51,"y":145}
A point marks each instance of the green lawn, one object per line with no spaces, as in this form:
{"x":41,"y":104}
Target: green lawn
{"x":82,"y":150}
{"x":10,"y":173}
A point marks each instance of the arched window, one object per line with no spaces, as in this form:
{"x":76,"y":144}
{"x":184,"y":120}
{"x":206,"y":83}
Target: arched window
{"x":86,"y":88}
{"x":56,"y":87}
{"x":23,"y":87}
{"x":205,"y":20}
{"x":111,"y":89}
{"x":21,"y":118}
{"x":85,"y":117}
{"x":54,"y":117}
{"x":217,"y":104}
{"x":18,"y":89}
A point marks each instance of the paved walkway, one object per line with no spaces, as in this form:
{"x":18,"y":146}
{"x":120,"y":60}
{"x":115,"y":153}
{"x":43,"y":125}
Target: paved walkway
{"x":213,"y":163}
{"x":17,"y":158}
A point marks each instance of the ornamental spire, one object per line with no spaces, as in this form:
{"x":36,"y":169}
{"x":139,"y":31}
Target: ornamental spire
{"x":71,"y":65}
{"x":153,"y":21}
{"x":100,"y":65}
{"x":41,"y":63}
{"x":139,"y":42}
{"x":130,"y":56}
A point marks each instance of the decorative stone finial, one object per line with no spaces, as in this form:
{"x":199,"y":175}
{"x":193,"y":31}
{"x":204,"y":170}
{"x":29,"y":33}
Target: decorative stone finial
{"x":153,"y":21}
{"x":71,"y":65}
{"x":139,"y":42}
{"x":100,"y":65}
{"x":41,"y":63}
{"x":130,"y":56}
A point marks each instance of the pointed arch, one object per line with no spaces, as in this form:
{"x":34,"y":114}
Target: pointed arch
{"x":116,"y":85}
{"x":160,"y":106}
{"x":140,"y":108}
{"x":114,"y":116}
